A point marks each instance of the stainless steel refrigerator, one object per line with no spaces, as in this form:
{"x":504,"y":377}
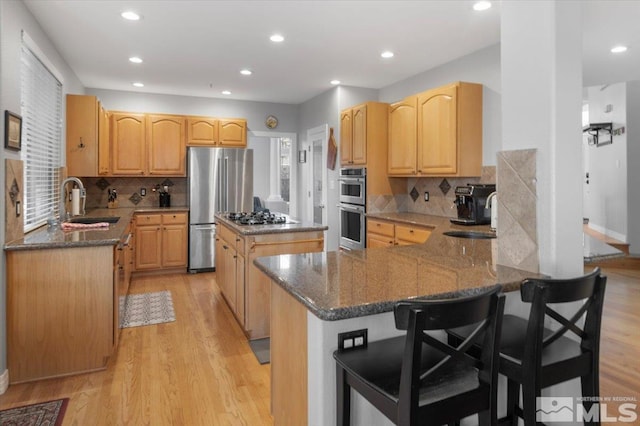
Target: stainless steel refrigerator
{"x":220,"y":180}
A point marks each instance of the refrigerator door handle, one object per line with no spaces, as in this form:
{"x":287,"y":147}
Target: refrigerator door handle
{"x":219,"y":186}
{"x":226,"y":184}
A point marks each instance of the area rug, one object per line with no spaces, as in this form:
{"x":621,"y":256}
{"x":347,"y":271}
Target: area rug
{"x":48,"y":413}
{"x":261,"y":349}
{"x":146,"y":309}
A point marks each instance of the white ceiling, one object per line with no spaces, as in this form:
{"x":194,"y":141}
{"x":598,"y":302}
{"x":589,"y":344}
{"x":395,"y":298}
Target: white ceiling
{"x":197,"y":48}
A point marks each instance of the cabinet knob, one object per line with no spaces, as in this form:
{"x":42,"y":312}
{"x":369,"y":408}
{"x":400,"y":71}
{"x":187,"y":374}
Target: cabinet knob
{"x":81,"y":144}
{"x":411,"y":231}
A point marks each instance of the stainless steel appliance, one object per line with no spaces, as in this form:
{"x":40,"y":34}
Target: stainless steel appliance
{"x":470,"y":202}
{"x":352,"y":208}
{"x":220,"y":180}
{"x":353,"y":186}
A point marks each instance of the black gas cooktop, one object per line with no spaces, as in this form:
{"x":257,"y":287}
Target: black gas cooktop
{"x":264,"y":217}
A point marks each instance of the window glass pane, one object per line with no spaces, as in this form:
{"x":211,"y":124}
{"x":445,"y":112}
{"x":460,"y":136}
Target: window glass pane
{"x":285,"y":168}
{"x":41,"y":110}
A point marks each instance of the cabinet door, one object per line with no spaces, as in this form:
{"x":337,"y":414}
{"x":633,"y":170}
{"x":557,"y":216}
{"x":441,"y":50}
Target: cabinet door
{"x":128,"y":144}
{"x":104,"y":144}
{"x":202,"y":131}
{"x":240,"y":264}
{"x":359,"y":135}
{"x":437,"y":131}
{"x":232,"y":132}
{"x":377,"y":241}
{"x":148,"y":247}
{"x":166,"y":145}
{"x":230,"y":272}
{"x":82,"y":135}
{"x":402,"y":137}
{"x":346,"y":136}
{"x":174,"y":245}
{"x":220,"y":271}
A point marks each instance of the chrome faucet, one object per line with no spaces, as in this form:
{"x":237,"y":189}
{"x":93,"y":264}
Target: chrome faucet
{"x":62,"y":210}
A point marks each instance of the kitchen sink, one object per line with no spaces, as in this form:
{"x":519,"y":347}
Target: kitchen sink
{"x":470,"y":234}
{"x":88,"y":220}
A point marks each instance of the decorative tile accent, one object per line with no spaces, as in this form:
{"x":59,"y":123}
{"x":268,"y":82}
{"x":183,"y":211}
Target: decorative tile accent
{"x":414,"y":194}
{"x":102,"y":183}
{"x":13,"y":192}
{"x":14,"y":225}
{"x":444,"y":186}
{"x":167,"y":182}
{"x":135,"y":198}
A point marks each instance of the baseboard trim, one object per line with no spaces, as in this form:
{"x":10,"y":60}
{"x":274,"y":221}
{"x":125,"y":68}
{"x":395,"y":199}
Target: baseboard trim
{"x":4,"y":382}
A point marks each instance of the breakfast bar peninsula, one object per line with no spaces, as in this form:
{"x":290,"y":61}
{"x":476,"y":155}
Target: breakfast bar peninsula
{"x":315,"y":296}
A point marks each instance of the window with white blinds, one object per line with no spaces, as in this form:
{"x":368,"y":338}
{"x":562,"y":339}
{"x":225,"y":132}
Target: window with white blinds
{"x":41,"y":94}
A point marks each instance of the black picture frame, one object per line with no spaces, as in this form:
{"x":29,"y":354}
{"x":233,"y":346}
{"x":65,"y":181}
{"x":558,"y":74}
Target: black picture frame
{"x":12,"y":131}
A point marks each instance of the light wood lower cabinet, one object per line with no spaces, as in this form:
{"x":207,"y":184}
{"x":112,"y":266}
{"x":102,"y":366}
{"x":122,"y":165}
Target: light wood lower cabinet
{"x":245,"y":288}
{"x":161,"y":241}
{"x":60,"y":311}
{"x":381,"y":233}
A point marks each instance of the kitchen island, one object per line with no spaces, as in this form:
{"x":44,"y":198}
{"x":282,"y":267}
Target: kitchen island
{"x":245,"y":289}
{"x":315,"y":296}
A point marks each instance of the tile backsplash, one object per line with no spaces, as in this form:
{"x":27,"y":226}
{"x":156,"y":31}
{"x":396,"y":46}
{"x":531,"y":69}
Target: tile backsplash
{"x":441,"y":195}
{"x":129,"y":191}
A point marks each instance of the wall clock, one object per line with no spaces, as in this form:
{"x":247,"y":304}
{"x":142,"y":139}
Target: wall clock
{"x":271,"y":122}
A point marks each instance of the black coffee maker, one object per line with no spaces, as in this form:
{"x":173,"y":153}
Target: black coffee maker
{"x":471,"y":201}
{"x":165,"y":199}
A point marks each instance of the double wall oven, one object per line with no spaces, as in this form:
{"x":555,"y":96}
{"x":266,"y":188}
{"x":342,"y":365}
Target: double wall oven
{"x":351,"y":209}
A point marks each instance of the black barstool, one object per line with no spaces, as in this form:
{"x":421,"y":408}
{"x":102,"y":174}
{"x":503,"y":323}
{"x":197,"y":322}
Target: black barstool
{"x":417,"y":379}
{"x":535,"y":357}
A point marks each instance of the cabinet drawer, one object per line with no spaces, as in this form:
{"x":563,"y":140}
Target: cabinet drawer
{"x":148,"y":219}
{"x":175,"y":218}
{"x":412,"y":234}
{"x":226,"y":234}
{"x":380,"y":228}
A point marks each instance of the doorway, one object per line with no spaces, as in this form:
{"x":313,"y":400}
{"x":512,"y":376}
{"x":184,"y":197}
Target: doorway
{"x":316,"y":147}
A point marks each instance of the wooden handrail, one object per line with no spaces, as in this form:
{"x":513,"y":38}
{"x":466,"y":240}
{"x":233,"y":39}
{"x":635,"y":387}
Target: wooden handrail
{"x":271,"y":243}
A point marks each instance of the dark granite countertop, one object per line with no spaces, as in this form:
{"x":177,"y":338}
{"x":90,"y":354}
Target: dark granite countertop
{"x":47,"y":238}
{"x":340,"y":285}
{"x":294,"y":226}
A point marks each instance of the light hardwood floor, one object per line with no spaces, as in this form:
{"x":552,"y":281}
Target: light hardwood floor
{"x":199,"y":370}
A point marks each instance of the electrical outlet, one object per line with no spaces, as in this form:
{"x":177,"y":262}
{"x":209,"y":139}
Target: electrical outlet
{"x":143,"y":191}
{"x":352,"y":339}
{"x":426,"y":195}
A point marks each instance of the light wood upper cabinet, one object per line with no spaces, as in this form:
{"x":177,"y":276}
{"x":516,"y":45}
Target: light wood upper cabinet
{"x":346,"y":136}
{"x":232,"y":132}
{"x":363,"y":131}
{"x":447,"y":131}
{"x":87,"y":137}
{"x":128,"y":142}
{"x":437,"y":131}
{"x":402,"y":137}
{"x":202,"y":131}
{"x":166,"y":145}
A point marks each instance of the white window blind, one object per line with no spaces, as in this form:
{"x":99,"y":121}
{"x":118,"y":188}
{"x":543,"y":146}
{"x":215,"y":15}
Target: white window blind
{"x":41,"y":94}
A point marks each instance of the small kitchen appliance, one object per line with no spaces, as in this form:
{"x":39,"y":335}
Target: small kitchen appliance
{"x":165,"y":199}
{"x":470,"y":202}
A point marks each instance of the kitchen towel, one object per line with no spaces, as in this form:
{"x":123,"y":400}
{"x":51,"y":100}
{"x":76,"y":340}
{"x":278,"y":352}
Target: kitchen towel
{"x":332,"y":151}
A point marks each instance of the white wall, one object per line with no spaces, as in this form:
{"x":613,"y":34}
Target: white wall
{"x":606,"y":201}
{"x":633,"y":173}
{"x":481,"y":67}
{"x":261,"y":165}
{"x":14,"y":18}
{"x":254,"y":112}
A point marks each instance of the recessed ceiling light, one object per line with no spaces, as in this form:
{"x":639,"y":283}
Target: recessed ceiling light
{"x":138,"y":84}
{"x":130,"y":16}
{"x":481,"y":5}
{"x":226,"y":92}
{"x":246,"y":72}
{"x":276,"y":38}
{"x":387,"y":54}
{"x":135,"y":60}
{"x":619,"y":49}
{"x":335,"y":82}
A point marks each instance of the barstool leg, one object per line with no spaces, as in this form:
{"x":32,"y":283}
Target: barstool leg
{"x":343,"y":398}
{"x":513,"y":397}
{"x":529,"y":395}
{"x":590,"y":388}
